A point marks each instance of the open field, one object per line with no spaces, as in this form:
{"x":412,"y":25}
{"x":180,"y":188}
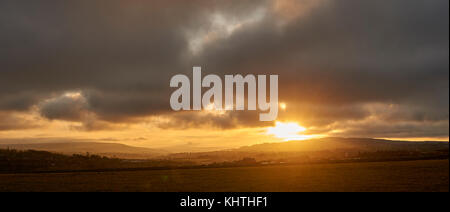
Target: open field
{"x":430,"y":175}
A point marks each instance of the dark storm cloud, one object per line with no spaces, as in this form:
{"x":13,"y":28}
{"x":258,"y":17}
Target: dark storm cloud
{"x":121,"y":53}
{"x":332,"y":62}
{"x":54,"y":46}
{"x":348,"y":53}
{"x":227,"y":120}
{"x":64,"y":108}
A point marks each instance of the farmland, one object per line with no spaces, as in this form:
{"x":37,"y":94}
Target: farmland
{"x":426,"y":175}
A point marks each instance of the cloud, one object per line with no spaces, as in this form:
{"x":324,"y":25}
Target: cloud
{"x":73,"y":107}
{"x":223,"y":120}
{"x":68,"y":107}
{"x":15,"y":121}
{"x":333,"y":58}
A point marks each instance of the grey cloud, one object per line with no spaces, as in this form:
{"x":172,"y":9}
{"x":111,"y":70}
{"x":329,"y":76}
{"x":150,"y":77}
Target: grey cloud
{"x":64,"y":108}
{"x":228,"y":120}
{"x":122,"y":53}
{"x":343,"y":54}
{"x":74,"y":107}
{"x":348,"y":51}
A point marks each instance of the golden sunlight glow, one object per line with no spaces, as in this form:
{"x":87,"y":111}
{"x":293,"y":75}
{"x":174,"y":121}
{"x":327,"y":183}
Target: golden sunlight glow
{"x":289,"y":10}
{"x":283,"y":106}
{"x":211,"y":109}
{"x":73,"y":95}
{"x":287,"y":131}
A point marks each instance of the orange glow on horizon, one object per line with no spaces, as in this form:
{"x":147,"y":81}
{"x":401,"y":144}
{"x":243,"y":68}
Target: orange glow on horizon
{"x":288,"y":131}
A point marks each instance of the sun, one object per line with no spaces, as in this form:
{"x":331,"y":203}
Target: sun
{"x":283,"y":106}
{"x":287,"y":131}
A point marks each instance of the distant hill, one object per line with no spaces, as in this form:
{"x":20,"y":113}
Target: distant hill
{"x":324,"y":149}
{"x":32,"y":161}
{"x":347,"y":144}
{"x":103,"y":149}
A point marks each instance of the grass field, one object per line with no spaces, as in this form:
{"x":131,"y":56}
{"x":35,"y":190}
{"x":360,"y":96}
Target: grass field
{"x":379,"y":176}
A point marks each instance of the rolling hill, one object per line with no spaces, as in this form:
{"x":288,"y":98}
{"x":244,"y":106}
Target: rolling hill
{"x":103,"y":149}
{"x":324,"y":149}
{"x":346,"y":144}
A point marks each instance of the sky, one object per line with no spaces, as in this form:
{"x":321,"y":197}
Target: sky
{"x":100,"y":70}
